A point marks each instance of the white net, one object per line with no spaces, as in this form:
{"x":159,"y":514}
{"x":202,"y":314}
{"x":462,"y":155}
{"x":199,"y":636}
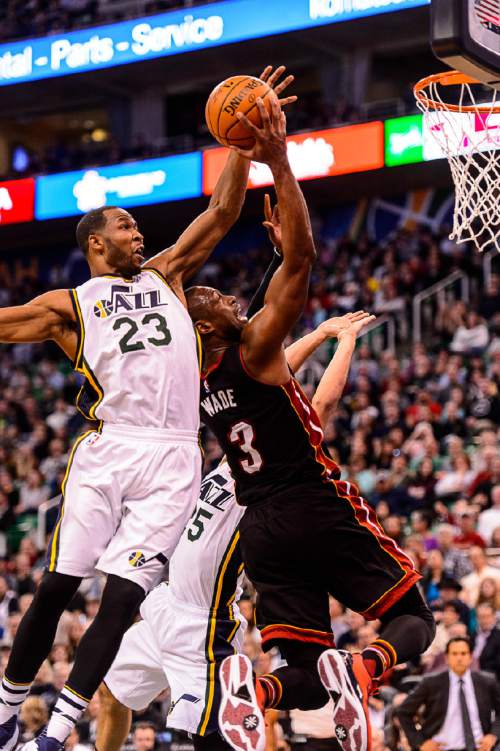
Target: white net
{"x":467,"y":132}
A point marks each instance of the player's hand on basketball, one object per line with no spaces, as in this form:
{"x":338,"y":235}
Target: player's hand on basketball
{"x":350,"y":322}
{"x":270,"y":138}
{"x":272,"y":222}
{"x":271,"y":78}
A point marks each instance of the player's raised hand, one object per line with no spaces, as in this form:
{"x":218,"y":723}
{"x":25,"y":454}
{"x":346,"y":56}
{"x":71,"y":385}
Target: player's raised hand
{"x":270,"y":138}
{"x":271,"y":78}
{"x":272,"y":222}
{"x":350,"y":322}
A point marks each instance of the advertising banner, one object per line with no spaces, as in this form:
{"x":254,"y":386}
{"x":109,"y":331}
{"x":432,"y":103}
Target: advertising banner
{"x":175,"y":32}
{"x":322,"y":153}
{"x":17,"y":200}
{"x":168,"y":178}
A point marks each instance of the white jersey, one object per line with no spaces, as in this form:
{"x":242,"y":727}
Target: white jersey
{"x":138,"y":350}
{"x":207,"y":563}
{"x":190,"y":625}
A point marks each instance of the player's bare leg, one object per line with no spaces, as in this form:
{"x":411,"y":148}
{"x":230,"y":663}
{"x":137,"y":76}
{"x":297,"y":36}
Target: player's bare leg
{"x":113,"y":722}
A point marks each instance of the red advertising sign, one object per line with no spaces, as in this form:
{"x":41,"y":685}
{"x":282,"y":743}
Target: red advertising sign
{"x":17,"y":200}
{"x":322,"y":153}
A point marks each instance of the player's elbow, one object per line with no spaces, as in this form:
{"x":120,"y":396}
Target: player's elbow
{"x":225,"y":213}
{"x":325,"y":408}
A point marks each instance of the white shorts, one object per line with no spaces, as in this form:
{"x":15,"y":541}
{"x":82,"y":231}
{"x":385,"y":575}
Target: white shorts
{"x":127,"y":496}
{"x":167,"y":648}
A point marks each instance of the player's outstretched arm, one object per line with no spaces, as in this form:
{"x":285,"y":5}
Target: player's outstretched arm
{"x":285,"y":298}
{"x":334,"y":378}
{"x":298,"y":352}
{"x":189,"y":253}
{"x":182,"y":260}
{"x":49,"y":316}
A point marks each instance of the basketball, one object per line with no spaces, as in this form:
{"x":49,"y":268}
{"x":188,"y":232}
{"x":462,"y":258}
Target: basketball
{"x":236,"y":94}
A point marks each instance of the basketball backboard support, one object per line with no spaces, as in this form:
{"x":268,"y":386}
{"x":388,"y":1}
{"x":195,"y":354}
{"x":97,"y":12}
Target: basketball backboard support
{"x":465,"y":34}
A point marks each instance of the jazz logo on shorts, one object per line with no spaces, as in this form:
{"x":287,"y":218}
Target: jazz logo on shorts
{"x":137,"y":559}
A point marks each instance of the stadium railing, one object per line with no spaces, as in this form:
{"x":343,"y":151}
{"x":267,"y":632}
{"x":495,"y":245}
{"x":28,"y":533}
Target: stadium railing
{"x":438,"y":290}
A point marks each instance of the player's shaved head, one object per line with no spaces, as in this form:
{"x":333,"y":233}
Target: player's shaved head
{"x":200,"y":300}
{"x":215,"y":314}
{"x":91,"y":222}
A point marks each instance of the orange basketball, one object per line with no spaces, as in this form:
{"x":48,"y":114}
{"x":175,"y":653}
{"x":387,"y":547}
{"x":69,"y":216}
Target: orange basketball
{"x":236,"y":94}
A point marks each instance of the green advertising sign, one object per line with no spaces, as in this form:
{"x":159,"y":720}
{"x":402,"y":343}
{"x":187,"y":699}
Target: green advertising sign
{"x":403,"y":140}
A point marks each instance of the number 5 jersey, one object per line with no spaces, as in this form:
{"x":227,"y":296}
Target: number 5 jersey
{"x":271,"y":435}
{"x":138,"y":351}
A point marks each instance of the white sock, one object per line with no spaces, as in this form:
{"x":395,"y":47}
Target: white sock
{"x":12,"y":696}
{"x":69,"y":708}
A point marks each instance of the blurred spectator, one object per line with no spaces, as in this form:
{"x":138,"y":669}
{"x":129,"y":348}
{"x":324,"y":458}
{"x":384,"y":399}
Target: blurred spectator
{"x":480,"y":571}
{"x":73,"y":742}
{"x":433,"y":577}
{"x":471,"y":337}
{"x":8,"y":604}
{"x":456,"y":563}
{"x":143,"y":737}
{"x":468,"y":535}
{"x":33,"y":716}
{"x":487,"y":640}
{"x":489,"y":519}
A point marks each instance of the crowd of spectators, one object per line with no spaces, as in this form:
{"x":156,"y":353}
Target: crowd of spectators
{"x":62,"y":154}
{"x":27,"y":18}
{"x":417,"y":431}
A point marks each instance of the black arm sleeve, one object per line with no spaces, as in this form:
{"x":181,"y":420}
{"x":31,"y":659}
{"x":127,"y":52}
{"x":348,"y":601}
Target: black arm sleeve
{"x":257,"y":300}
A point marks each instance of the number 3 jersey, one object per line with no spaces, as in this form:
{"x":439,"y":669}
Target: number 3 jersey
{"x":271,"y":435}
{"x":138,"y":351}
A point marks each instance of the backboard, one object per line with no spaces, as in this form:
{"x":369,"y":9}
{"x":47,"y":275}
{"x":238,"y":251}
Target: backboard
{"x":465,"y":34}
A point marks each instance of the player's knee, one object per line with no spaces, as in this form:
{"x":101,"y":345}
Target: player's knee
{"x":420,"y":619}
{"x":120,"y":602}
{"x":55,"y":591}
{"x":109,"y":704}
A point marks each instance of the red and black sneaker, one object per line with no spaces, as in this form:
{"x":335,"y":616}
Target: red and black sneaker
{"x":348,"y":684}
{"x":241,"y":720}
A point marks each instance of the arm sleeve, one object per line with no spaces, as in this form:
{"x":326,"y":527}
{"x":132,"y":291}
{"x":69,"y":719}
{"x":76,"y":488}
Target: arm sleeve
{"x":257,"y":300}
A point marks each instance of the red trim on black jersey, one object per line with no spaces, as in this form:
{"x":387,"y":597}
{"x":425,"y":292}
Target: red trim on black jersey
{"x":312,"y":426}
{"x":363,"y":512}
{"x":296,"y":633}
{"x":214,"y":366}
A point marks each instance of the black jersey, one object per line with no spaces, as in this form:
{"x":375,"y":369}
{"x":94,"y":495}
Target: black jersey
{"x":271,"y":435}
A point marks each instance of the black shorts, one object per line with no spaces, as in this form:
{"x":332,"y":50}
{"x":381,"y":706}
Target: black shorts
{"x":319,"y":540}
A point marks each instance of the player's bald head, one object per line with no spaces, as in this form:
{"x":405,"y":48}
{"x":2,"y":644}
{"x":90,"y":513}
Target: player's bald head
{"x":214,"y":313}
{"x":200,"y":302}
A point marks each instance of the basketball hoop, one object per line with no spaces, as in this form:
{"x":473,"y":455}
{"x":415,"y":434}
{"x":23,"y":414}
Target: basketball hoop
{"x":459,"y":126}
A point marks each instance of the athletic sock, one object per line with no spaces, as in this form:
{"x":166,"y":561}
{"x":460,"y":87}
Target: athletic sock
{"x":12,"y":696}
{"x":268,"y":691}
{"x":379,"y":657}
{"x":66,"y":713}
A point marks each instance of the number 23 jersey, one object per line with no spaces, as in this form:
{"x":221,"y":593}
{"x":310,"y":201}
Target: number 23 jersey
{"x":138,"y":351}
{"x":271,"y":435}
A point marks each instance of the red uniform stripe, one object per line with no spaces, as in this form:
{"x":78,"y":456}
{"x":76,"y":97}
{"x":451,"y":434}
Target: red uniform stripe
{"x":282,"y":631}
{"x":364,"y":514}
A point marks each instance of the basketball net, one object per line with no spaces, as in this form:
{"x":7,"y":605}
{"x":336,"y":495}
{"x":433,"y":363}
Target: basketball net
{"x":467,"y":133}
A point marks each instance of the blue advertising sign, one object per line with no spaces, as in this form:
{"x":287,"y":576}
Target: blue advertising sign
{"x":174,"y":32}
{"x":168,"y":178}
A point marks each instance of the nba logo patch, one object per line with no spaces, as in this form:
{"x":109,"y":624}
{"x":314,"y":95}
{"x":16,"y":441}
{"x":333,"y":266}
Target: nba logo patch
{"x":93,"y":438}
{"x":137,"y":559}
